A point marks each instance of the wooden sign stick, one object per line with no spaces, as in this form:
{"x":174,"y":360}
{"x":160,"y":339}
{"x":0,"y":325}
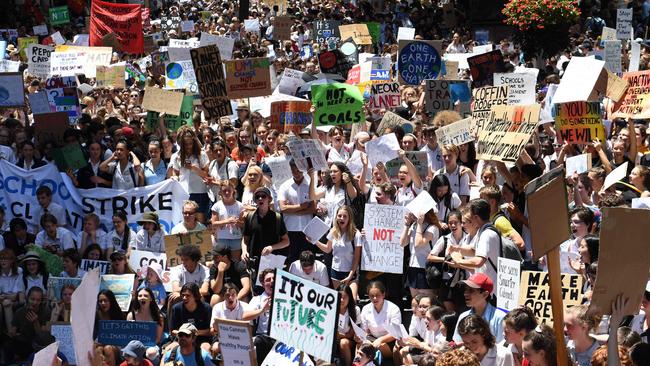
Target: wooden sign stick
{"x":555,"y":285}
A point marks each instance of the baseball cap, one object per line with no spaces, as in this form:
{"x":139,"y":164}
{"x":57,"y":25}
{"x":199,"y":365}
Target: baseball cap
{"x":220,"y":249}
{"x":135,"y":349}
{"x":479,"y":280}
{"x":188,"y":328}
{"x":264,"y":190}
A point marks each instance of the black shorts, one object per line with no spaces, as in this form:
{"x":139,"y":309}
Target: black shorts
{"x":416,"y":278}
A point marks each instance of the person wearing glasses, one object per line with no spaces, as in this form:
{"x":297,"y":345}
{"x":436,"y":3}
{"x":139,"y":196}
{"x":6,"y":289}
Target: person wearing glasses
{"x":186,"y":353}
{"x":264,"y":230}
{"x":190,"y":223}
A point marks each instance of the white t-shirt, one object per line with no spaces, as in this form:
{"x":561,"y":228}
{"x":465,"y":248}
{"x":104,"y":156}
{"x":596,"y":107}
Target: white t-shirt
{"x":487,"y":246}
{"x":64,"y":239}
{"x":223,"y":211}
{"x":344,"y":320}
{"x":498,"y":356}
{"x":181,"y":229}
{"x":318,"y":275}
{"x":12,"y":284}
{"x":418,"y":327}
{"x":222,"y":312}
{"x":200,"y":275}
{"x":458,"y":183}
{"x":192,"y":182}
{"x":123,"y":179}
{"x":257,"y":302}
{"x":221,"y":172}
{"x":343,"y":251}
{"x":155,"y":243}
{"x":115,"y":241}
{"x":100,"y":236}
{"x":406,"y":194}
{"x":443,"y":210}
{"x":434,"y":157}
{"x":295,"y":194}
{"x":373,"y":321}
{"x":333,"y":200}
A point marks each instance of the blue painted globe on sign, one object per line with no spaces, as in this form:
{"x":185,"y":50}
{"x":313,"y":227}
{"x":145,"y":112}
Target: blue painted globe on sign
{"x":174,"y":70}
{"x":419,"y":61}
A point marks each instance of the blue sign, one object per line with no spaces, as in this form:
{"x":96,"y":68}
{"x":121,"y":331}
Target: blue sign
{"x":383,"y":75}
{"x":121,"y":332}
{"x":418,"y":61}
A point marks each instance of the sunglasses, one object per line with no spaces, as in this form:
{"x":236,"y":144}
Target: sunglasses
{"x":260,"y":196}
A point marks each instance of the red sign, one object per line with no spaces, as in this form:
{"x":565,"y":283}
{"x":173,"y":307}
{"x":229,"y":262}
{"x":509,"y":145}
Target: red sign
{"x":125,"y":20}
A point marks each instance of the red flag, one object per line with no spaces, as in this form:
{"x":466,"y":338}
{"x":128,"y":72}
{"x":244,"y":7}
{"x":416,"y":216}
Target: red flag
{"x":125,"y":20}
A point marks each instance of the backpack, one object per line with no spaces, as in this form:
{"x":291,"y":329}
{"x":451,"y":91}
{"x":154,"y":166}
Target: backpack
{"x":434,"y":271}
{"x":507,"y":248}
{"x":197,"y":356}
{"x":358,"y":206}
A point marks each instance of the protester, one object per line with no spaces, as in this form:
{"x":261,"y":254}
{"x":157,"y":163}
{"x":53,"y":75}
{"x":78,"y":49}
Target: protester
{"x":186,"y":352}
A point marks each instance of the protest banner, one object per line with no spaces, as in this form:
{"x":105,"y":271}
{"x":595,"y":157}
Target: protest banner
{"x":23,"y":43}
{"x":211,"y":81}
{"x":12,"y":92}
{"x":69,"y":157}
{"x":484,"y":66}
{"x":624,"y":23}
{"x":202,"y":239}
{"x":9,"y":66}
{"x":290,"y":116}
{"x":110,"y":76}
{"x":579,"y":79}
{"x":390,"y":120}
{"x":62,"y":332}
{"x":280,"y":168}
{"x":384,"y":96}
{"x":50,"y":126}
{"x":180,"y":75}
{"x":236,"y":342}
{"x":88,"y":264}
{"x":534,"y":293}
{"x":94,"y":56}
{"x":418,"y":158}
{"x":248,"y":77}
{"x":168,"y":24}
{"x":457,"y":133}
{"x":59,"y":15}
{"x":123,"y":19}
{"x":172,"y":122}
{"x":307,"y":154}
{"x":335,"y":62}
{"x":162,"y":101}
{"x":381,"y":250}
{"x":577,"y":164}
{"x":282,"y":27}
{"x":139,"y":261}
{"x":121,"y":332}
{"x":314,"y":331}
{"x":55,"y":285}
{"x":122,"y":287}
{"x":521,"y":86}
{"x":358,"y":32}
{"x":82,"y":317}
{"x":337,"y":104}
{"x":579,"y":122}
{"x":284,"y":355}
{"x":613,"y":56}
{"x":442,"y":95}
{"x":38,"y":103}
{"x":38,"y":59}
{"x":67,"y":63}
{"x":634,"y":102}
{"x":507,"y":286}
{"x":507,"y":132}
{"x":326,"y":31}
{"x":623,"y":237}
{"x":418,"y":61}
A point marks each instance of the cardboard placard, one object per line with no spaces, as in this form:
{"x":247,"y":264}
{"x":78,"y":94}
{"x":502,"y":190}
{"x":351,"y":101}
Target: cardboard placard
{"x":418,"y":158}
{"x":634,"y":103}
{"x":211,"y":81}
{"x":180,"y":75}
{"x":172,"y":122}
{"x":69,"y":157}
{"x":317,"y":336}
{"x":579,"y":122}
{"x":358,"y":32}
{"x":381,"y":250}
{"x":613,"y":56}
{"x":521,"y":87}
{"x":12,"y":89}
{"x":384,"y":96}
{"x":484,"y":66}
{"x":440,"y":95}
{"x":248,"y":78}
{"x":290,"y":116}
{"x":579,"y":80}
{"x":535,"y":293}
{"x":451,"y":70}
{"x":337,"y":104}
{"x":457,"y":133}
{"x":38,"y":59}
{"x":326,"y":31}
{"x":162,"y":101}
{"x":548,"y":213}
{"x":418,"y":61}
{"x":577,"y":164}
{"x":616,"y":87}
{"x":50,"y":127}
{"x":390,"y":120}
{"x":282,"y":27}
{"x":202,"y":239}
{"x":507,"y":132}
{"x":111,"y":76}
{"x":482,"y":101}
{"x":121,"y":332}
{"x":236,"y":342}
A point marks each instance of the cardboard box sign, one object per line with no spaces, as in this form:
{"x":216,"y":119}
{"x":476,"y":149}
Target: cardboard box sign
{"x":202,"y":239}
{"x":535,"y":293}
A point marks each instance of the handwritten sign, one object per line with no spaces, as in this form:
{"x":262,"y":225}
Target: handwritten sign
{"x":282,"y":354}
{"x":358,"y":32}
{"x":579,"y":122}
{"x":624,"y":23}
{"x":162,"y":101}
{"x":508,"y":283}
{"x":111,"y":76}
{"x":248,"y":78}
{"x":521,"y":87}
{"x":122,"y":287}
{"x":535,"y":293}
{"x":62,"y":332}
{"x":326,"y":31}
{"x":483,"y":67}
{"x":613,"y":56}
{"x":121,"y":332}
{"x":507,"y":132}
{"x":139,"y":260}
{"x":307,"y":154}
{"x":337,"y":104}
{"x":634,"y":102}
{"x":236,"y":342}
{"x":456,"y":133}
{"x":418,"y":61}
{"x":38,"y":59}
{"x":382,"y":251}
{"x":442,"y":95}
{"x":384,"y":96}
{"x":88,"y":264}
{"x":211,"y":81}
{"x":172,"y":122}
{"x":304,"y":315}
{"x":202,"y":239}
{"x":290,"y":116}
{"x":418,"y":158}
{"x":67,"y":63}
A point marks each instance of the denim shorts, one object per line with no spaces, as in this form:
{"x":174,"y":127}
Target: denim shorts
{"x":232,"y":244}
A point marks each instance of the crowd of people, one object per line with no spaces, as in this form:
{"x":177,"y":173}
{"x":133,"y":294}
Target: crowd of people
{"x":445,"y":295}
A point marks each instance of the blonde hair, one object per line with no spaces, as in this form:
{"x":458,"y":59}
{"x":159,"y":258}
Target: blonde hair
{"x":253,"y":186}
{"x":584,"y":316}
{"x":351,"y":231}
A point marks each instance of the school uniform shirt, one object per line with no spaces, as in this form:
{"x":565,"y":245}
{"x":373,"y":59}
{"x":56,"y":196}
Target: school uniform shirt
{"x":100,"y":237}
{"x":191,"y":182}
{"x":257,"y":302}
{"x":582,"y":358}
{"x":181,"y":229}
{"x":53,"y":209}
{"x":63,"y":240}
{"x":434,"y":337}
{"x":7,"y":153}
{"x":295,"y":194}
{"x":344,"y":320}
{"x":443,"y":210}
{"x":406,"y":194}
{"x":179,"y":273}
{"x":154,"y":244}
{"x":116,"y":241}
{"x":458,"y":183}
{"x":318,"y":275}
{"x":637,"y":325}
{"x":434,"y":157}
{"x":222,"y":312}
{"x":418,"y":327}
{"x":334,"y":155}
{"x":343,"y":250}
{"x":38,"y":281}
{"x":229,"y":169}
{"x":332,"y":200}
{"x":492,"y":315}
{"x":498,"y":356}
{"x":373,"y":321}
{"x":154,"y":175}
{"x":225,"y":211}
{"x":80,"y":274}
{"x":126,"y":178}
{"x":487,"y":246}
{"x":418,"y":257}
{"x":12,"y":283}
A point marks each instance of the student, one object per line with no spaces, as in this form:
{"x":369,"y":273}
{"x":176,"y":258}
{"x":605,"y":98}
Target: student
{"x":46,"y":206}
{"x":53,"y":238}
{"x":134,"y":354}
{"x":35,"y":273}
{"x":309,"y":268}
{"x":228,"y":219}
{"x":478,"y":288}
{"x":151,"y":237}
{"x":91,"y":233}
{"x":433,"y":338}
{"x":455,"y":173}
{"x":297,"y":210}
{"x":264,"y":230}
{"x":492,"y":194}
{"x":348,"y":312}
{"x":153,"y":282}
{"x":145,"y":309}
{"x":29,"y":330}
{"x":365,"y":355}
{"x":189,"y":271}
{"x":420,"y":232}
{"x":378,"y":313}
{"x":192,"y":308}
{"x":446,"y":199}
{"x":124,"y":167}
{"x":539,"y":347}
{"x":477,"y":337}
{"x":259,"y":311}
{"x":121,"y":238}
{"x":63,"y":308}
{"x":225,"y":269}
{"x":11,"y":285}
{"x":578,"y":325}
{"x":231,"y":309}
{"x":410,"y":181}
{"x":71,"y":262}
{"x":516,"y":325}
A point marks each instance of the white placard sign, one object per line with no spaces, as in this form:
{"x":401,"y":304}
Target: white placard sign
{"x":280,"y":168}
{"x":609,"y":34}
{"x":307,"y":154}
{"x":224,"y":44}
{"x":635,"y":56}
{"x":63,"y":335}
{"x":315,"y":229}
{"x":507,"y":290}
{"x":422,"y":203}
{"x":187,"y":25}
{"x":38,"y":59}
{"x":269,"y":261}
{"x":382,"y":251}
{"x":405,"y":33}
{"x":9,"y":66}
{"x":235,"y":341}
{"x":615,"y":175}
{"x":139,"y":261}
{"x":382,"y":149}
{"x":252,"y":25}
{"x":577,"y":164}
{"x":284,"y":355}
{"x":290,"y":82}
{"x":67,"y":63}
{"x":613,"y":56}
{"x":624,"y":23}
{"x":521,"y":86}
{"x":579,"y":80}
{"x":457,"y":133}
{"x":40,"y":30}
